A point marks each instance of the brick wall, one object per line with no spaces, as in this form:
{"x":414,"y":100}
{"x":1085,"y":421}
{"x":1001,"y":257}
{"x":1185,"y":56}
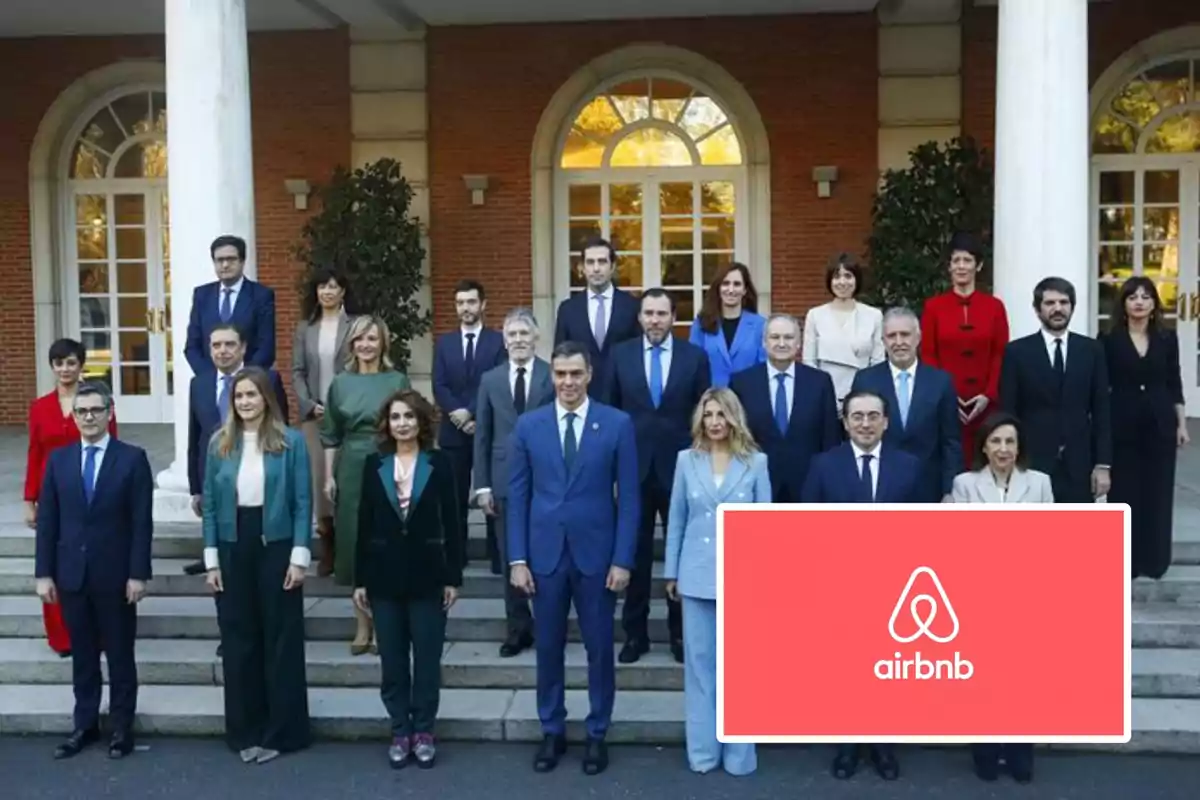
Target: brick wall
{"x":300,"y":99}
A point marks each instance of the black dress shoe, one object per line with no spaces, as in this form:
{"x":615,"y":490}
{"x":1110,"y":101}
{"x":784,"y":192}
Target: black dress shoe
{"x":885,"y":764}
{"x":121,"y":744}
{"x":633,"y":650}
{"x":595,"y":757}
{"x":845,"y":763}
{"x":548,"y":754}
{"x":515,"y":643}
{"x":75,"y":743}
{"x":1019,"y":758}
{"x":677,"y":651}
{"x":65,"y":654}
{"x":195,"y":568}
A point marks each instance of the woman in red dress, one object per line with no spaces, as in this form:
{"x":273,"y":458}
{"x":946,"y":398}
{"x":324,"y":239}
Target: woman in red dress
{"x":51,"y":426}
{"x":964,"y":331}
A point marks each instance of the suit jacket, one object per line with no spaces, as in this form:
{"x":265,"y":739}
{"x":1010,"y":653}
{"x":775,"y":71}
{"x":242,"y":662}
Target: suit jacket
{"x":1145,"y":389}
{"x":1024,"y":486}
{"x":663,"y":431}
{"x":454,"y":385}
{"x":933,"y":433}
{"x":49,"y":429}
{"x":843,"y":349}
{"x":724,"y":360}
{"x":572,"y":325}
{"x":413,"y":552}
{"x":103,"y":545}
{"x":204,"y":418}
{"x":306,"y":362}
{"x":812,"y":425}
{"x":691,"y":551}
{"x":550,"y":509}
{"x":495,"y":418}
{"x":253,"y":313}
{"x":834,"y":477}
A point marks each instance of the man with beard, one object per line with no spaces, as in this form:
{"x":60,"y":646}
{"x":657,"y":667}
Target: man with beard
{"x":1056,"y":383}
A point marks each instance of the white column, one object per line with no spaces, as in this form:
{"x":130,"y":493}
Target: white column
{"x":211,"y":181}
{"x":1041,"y":216}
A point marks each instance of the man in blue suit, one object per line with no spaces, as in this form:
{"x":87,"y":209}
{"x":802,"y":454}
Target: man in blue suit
{"x":94,"y":526}
{"x":231,"y":299}
{"x":865,"y":469}
{"x":658,"y":380}
{"x":791,"y":408}
{"x":600,"y":317}
{"x":926,"y":420}
{"x":572,"y":522}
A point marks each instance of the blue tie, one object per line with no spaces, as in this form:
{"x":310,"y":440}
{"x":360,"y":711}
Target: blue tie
{"x":570,"y":446}
{"x":865,"y":479}
{"x":223,"y":398}
{"x":903,"y":398}
{"x":656,"y":378}
{"x":781,"y":406}
{"x":226,"y":304}
{"x":89,"y":473}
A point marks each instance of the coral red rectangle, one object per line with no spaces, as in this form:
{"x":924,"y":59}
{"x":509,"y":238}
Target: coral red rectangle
{"x":924,"y":623}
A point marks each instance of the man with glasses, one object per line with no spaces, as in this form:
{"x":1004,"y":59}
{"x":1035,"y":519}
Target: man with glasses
{"x":94,"y":526}
{"x":232,"y":299}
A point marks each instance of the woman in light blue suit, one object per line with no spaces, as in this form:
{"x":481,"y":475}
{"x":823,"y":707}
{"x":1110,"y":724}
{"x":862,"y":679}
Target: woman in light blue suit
{"x":729,"y":327}
{"x":723,"y":465}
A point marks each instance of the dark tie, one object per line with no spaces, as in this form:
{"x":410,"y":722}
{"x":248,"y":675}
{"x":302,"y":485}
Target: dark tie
{"x":223,"y":398}
{"x":469,"y":359}
{"x":781,"y":407}
{"x":865,"y":479}
{"x":89,"y":473}
{"x":1060,"y":367}
{"x":656,"y":376}
{"x":226,"y":304}
{"x":519,"y":391}
{"x":570,"y":446}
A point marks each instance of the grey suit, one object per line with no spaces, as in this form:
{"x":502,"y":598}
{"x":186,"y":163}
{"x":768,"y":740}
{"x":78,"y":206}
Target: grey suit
{"x":495,"y":418}
{"x":306,"y":362}
{"x":1024,"y":486}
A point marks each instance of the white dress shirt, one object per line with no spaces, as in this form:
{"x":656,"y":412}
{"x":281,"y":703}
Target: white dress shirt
{"x":464,"y":331}
{"x":874,"y":466}
{"x":580,"y":416}
{"x":1050,"y":338}
{"x":220,"y":375}
{"x":84,"y":445}
{"x":789,"y":385}
{"x":664,"y":357}
{"x":593,"y":306}
{"x":512,"y":378}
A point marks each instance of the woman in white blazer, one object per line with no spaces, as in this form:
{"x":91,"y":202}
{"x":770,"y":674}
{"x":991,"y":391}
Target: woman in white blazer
{"x":723,"y":465}
{"x":844,"y":335}
{"x":1001,"y":476}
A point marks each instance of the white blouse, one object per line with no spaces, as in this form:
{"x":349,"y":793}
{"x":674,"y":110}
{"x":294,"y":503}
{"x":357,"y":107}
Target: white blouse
{"x":251,"y":479}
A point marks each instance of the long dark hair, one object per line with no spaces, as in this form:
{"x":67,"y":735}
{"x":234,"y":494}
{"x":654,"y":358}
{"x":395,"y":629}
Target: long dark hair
{"x":310,"y":307}
{"x":1121,"y":316}
{"x":423,"y":410}
{"x":989,"y":426}
{"x":710,"y":311}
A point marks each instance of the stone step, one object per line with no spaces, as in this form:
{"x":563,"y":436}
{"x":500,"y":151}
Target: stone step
{"x":1181,"y":584}
{"x":1165,"y":626}
{"x":1162,"y":672}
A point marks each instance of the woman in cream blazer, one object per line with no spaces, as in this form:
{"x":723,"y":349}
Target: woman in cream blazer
{"x":723,"y":465}
{"x":844,"y":335}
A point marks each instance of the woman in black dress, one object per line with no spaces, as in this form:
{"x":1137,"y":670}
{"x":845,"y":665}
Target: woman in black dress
{"x":1149,"y":424}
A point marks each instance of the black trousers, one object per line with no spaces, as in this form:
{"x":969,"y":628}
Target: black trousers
{"x":463,"y":459}
{"x":1143,"y":475}
{"x":262,"y":642}
{"x":989,"y":755}
{"x":635,"y":615}
{"x":411,"y":628}
{"x":516,"y":603}
{"x":93,"y":617}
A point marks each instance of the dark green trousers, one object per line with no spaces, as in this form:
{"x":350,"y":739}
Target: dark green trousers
{"x":410,"y":629}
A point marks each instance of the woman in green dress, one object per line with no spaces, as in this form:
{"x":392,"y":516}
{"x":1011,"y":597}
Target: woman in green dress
{"x":349,"y":434}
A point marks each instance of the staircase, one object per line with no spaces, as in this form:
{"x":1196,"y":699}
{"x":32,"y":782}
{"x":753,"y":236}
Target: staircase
{"x":485,"y":697}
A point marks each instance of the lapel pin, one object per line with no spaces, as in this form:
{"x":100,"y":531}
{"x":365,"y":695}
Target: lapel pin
{"x":595,"y":426}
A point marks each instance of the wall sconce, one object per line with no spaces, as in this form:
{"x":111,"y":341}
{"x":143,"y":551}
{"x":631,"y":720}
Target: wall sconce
{"x":476,"y":185}
{"x":299,"y":189}
{"x":824,"y":178}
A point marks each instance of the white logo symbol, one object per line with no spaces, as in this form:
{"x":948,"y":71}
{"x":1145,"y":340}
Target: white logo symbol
{"x":923,"y":625}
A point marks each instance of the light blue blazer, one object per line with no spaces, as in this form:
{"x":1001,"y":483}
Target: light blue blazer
{"x":691,"y":556}
{"x":747,"y":350}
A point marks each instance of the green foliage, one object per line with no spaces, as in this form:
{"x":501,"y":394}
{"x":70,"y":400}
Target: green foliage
{"x":917,"y":210}
{"x":364,"y":230}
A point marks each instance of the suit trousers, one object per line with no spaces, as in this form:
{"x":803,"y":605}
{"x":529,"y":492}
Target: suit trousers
{"x":102,"y":620}
{"x":463,"y":459}
{"x":410,"y":628}
{"x":262,"y":641}
{"x":635,"y":614}
{"x":704,"y":752}
{"x":1015,"y":755}
{"x":516,"y":604}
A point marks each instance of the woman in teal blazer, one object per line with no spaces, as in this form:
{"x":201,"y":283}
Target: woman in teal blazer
{"x":723,"y":465}
{"x":257,"y":519}
{"x":729,"y":328}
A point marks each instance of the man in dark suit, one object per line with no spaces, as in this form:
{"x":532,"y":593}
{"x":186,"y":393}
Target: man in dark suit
{"x":601,"y":316}
{"x":866,"y":469}
{"x":232,"y":299}
{"x":658,"y":380}
{"x":94,"y":526}
{"x":459,"y":360}
{"x":791,"y":408}
{"x":572,"y":522}
{"x":926,"y":420}
{"x":506,"y":392}
{"x":1056,"y":383}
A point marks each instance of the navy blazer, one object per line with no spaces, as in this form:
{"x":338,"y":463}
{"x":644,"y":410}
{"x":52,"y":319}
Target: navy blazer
{"x":747,"y":350}
{"x":454,"y":386}
{"x":664,"y":431}
{"x":812,"y":426}
{"x":253,"y":313}
{"x":933,"y":433}
{"x":572,"y":325}
{"x":204,"y":419}
{"x":104,"y":545}
{"x":834,"y":477}
{"x":549,"y":510}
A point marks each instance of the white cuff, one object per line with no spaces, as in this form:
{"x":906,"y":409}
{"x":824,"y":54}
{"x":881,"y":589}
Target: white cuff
{"x":481,"y":491}
{"x":301,"y":557}
{"x":210,"y":558}
{"x":516,"y":563}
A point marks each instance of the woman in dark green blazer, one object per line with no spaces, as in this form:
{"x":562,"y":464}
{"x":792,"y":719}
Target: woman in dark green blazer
{"x":409,"y":559}
{"x":256,"y":514}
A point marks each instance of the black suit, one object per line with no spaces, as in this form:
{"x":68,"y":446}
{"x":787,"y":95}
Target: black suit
{"x":572,"y":325}
{"x":1065,"y":418}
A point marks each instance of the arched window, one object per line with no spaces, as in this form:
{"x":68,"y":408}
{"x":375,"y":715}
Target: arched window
{"x":1156,"y":111}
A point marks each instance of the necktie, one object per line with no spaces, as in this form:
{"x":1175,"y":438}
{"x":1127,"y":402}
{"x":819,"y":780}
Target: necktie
{"x":89,"y":473}
{"x":598,"y":331}
{"x":781,"y":406}
{"x":223,"y":397}
{"x":1060,"y":367}
{"x":469,"y":359}
{"x":226,"y":304}
{"x":903,"y":398}
{"x":519,"y":391}
{"x":570,"y":446}
{"x":865,"y":479}
{"x":656,"y":376}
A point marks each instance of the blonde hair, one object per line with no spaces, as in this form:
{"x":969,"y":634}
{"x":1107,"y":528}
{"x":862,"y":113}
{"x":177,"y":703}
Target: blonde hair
{"x":358,"y":329}
{"x":272,"y":432}
{"x":741,"y":441}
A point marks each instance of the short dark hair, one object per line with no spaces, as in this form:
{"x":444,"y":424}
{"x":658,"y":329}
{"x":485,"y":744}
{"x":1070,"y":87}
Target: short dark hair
{"x":597,"y":241}
{"x":657,"y":291}
{"x":570,"y":349}
{"x":1053,"y":284}
{"x":967,"y":243}
{"x":1121,"y":316}
{"x":470,"y":286}
{"x":863,"y":393}
{"x":95,"y":389}
{"x":427,"y":419}
{"x":989,"y":426}
{"x":236,"y":242}
{"x":848,"y":262}
{"x":227,"y":326}
{"x":63,"y":349}
{"x":309,"y":306}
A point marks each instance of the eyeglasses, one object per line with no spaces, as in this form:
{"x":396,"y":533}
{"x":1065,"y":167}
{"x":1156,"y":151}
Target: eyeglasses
{"x":94,"y":411}
{"x":859,"y":416}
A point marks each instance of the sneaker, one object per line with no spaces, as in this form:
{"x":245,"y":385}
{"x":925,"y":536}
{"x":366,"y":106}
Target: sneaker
{"x":424,"y":749}
{"x":399,"y":752}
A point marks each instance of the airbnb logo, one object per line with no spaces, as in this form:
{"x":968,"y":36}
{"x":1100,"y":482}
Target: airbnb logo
{"x":916,"y":667}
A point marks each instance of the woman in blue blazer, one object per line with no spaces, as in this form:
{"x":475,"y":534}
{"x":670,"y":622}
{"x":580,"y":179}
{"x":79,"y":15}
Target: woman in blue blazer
{"x":723,"y":465}
{"x":729,"y":327}
{"x":256,"y":514}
